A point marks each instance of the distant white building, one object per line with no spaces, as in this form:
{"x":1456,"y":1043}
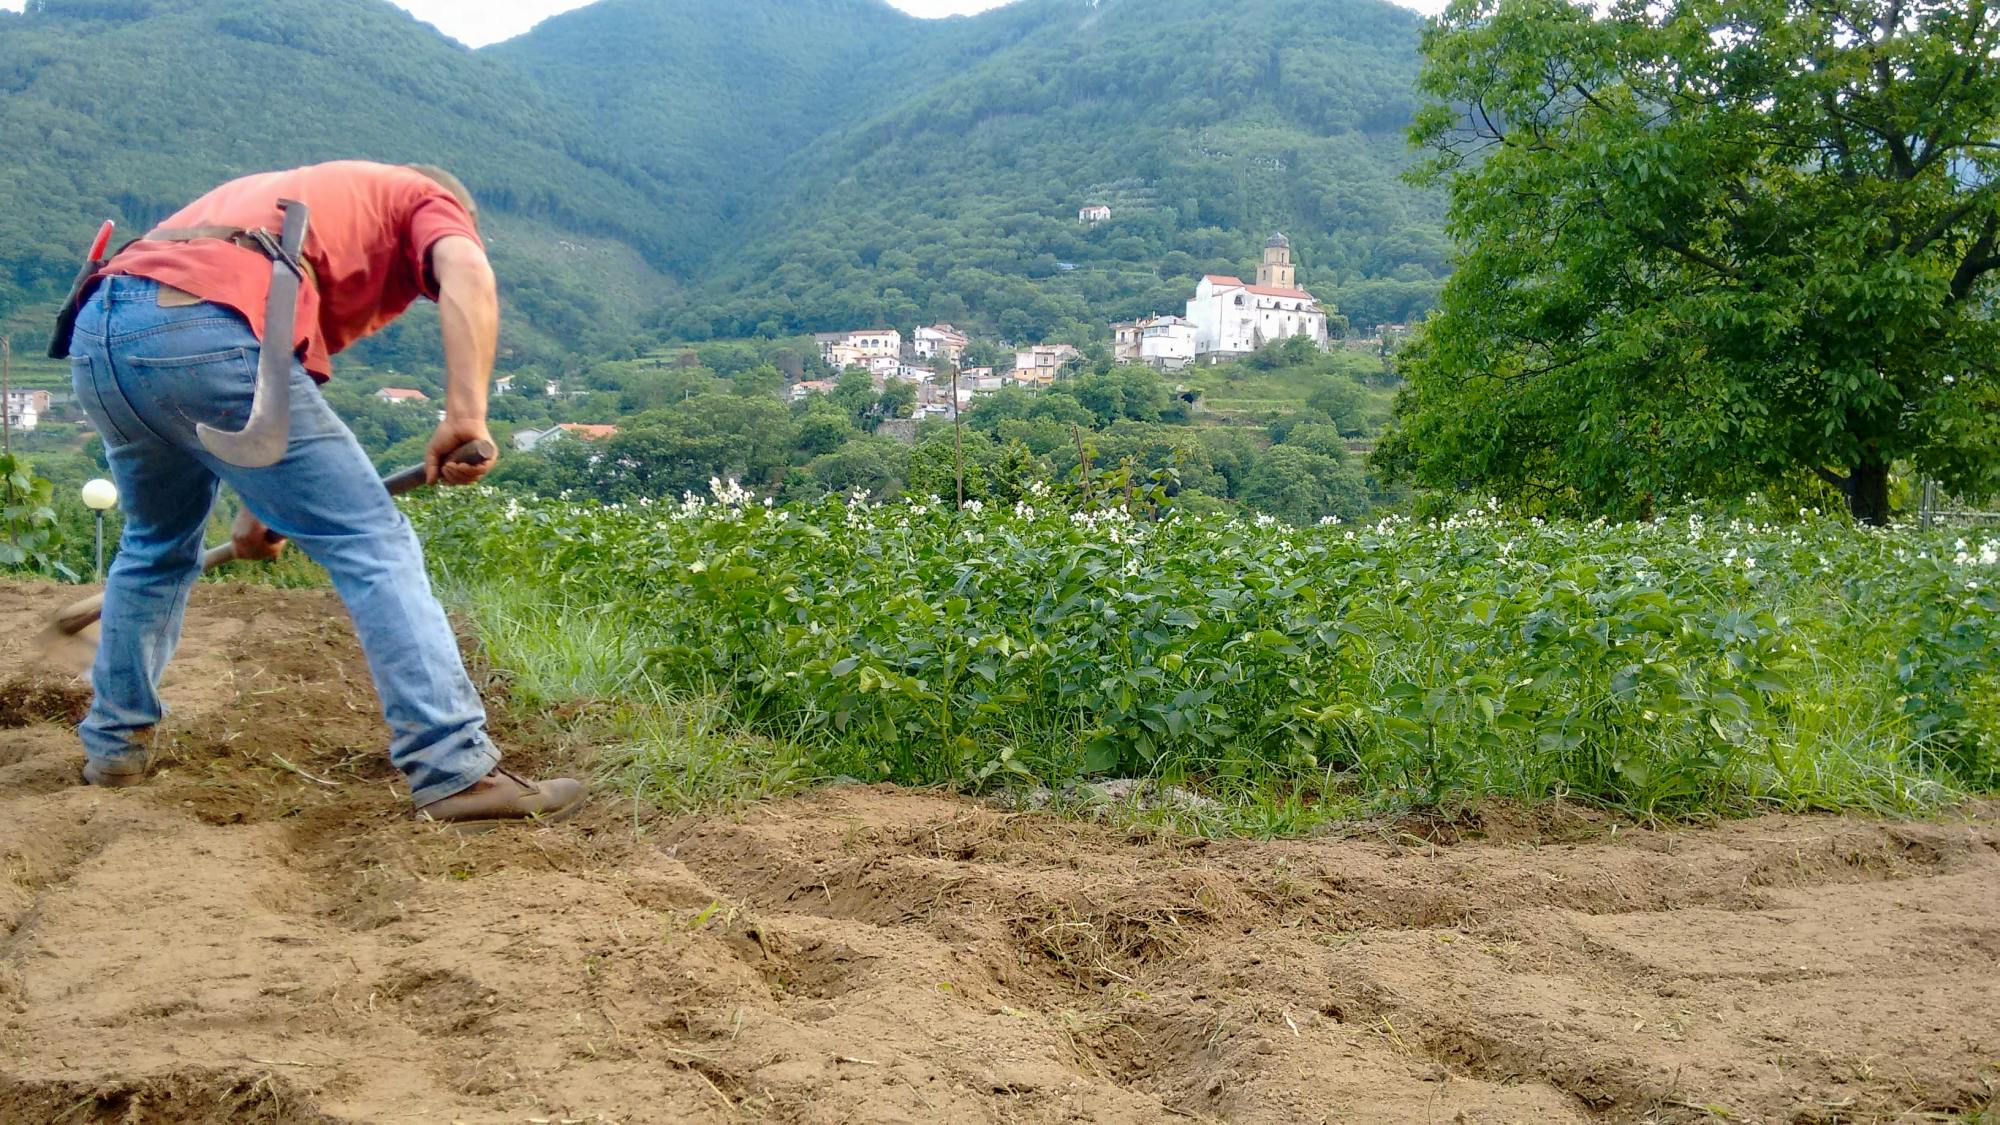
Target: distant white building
{"x":401,"y":395}
{"x":842,"y":350}
{"x":1093,"y":214}
{"x":25,"y":409}
{"x":939,"y":339}
{"x":1163,"y":342}
{"x":1232,"y":319}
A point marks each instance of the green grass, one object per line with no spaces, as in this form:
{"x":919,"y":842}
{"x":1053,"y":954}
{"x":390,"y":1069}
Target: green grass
{"x":1245,"y":392}
{"x":673,"y":749}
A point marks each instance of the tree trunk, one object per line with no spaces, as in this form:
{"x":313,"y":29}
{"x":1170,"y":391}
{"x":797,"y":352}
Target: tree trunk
{"x":1868,"y":494}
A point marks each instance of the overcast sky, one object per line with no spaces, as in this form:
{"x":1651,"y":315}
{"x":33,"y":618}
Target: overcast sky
{"x":479,"y":22}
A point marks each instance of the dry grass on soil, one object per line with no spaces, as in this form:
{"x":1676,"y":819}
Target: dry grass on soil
{"x":259,"y":935}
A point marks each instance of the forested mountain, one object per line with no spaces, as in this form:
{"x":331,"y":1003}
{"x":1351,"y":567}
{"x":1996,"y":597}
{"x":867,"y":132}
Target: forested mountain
{"x":759,"y":166}
{"x":129,"y":108}
{"x":902,"y":169}
{"x":711,"y":97}
{"x":1203,"y":126}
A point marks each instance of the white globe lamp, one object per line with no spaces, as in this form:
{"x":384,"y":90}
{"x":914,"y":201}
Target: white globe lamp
{"x":99,"y":496}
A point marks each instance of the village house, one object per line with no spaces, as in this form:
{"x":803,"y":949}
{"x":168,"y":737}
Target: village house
{"x":842,"y":350}
{"x":935,"y":400}
{"x":527,"y":441}
{"x":935,"y":391}
{"x":1038,"y":365}
{"x":1166,"y":343}
{"x":980,"y":379}
{"x":26,"y":409}
{"x":806,"y":389}
{"x":1233,"y":319}
{"x":402,"y":396}
{"x":939,"y":339}
{"x":503,"y":385}
{"x":1093,"y":214}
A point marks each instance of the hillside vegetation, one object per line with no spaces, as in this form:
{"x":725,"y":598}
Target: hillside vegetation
{"x":757,"y":167}
{"x":128,"y":110}
{"x":710,"y":97}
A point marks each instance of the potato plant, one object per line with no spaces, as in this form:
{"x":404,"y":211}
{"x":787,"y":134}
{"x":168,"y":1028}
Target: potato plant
{"x":1674,"y":667}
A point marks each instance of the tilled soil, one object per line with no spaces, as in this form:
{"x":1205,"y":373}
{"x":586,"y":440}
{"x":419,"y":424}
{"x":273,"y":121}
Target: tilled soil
{"x":259,"y":934}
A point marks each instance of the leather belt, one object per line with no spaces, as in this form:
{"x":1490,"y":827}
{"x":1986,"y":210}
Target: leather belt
{"x":260,"y":241}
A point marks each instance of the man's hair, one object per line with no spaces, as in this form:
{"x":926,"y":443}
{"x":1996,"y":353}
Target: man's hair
{"x":450,"y":183}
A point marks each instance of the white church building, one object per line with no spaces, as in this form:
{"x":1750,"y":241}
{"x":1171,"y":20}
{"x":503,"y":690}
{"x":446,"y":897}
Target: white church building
{"x":1232,"y":319}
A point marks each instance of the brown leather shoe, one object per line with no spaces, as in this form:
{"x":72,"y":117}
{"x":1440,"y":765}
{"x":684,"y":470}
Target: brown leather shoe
{"x":505,"y":797}
{"x":123,"y":779}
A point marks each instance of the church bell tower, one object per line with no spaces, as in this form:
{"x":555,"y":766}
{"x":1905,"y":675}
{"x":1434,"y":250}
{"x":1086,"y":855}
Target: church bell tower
{"x":1276,"y":271}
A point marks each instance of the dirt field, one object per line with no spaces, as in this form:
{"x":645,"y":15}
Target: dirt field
{"x":248,"y":940}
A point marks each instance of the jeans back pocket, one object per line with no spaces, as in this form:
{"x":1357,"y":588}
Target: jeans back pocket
{"x":172,"y":393}
{"x":84,"y":369}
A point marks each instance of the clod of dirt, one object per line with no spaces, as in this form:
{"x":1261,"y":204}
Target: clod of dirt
{"x":42,"y":697}
{"x":191,"y":1095}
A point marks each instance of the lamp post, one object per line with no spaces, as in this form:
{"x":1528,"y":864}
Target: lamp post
{"x":99,"y":495}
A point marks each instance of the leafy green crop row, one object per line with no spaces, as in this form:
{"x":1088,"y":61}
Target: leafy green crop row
{"x":1667,"y":668}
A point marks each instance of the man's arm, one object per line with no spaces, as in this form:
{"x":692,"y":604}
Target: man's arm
{"x":469,"y":314}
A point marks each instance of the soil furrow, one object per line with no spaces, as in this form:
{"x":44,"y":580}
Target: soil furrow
{"x":265,"y":946}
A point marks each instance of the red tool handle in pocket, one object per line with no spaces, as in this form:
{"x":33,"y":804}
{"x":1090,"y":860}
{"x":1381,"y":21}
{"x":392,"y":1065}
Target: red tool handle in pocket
{"x":102,"y":242}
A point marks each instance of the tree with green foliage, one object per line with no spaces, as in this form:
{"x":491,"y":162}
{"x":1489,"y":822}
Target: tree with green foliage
{"x":1318,"y":438}
{"x":1134,"y":393}
{"x":761,"y":381}
{"x":933,"y":468}
{"x":1709,"y":245}
{"x":854,"y":392}
{"x":1343,"y":404}
{"x":867,"y":464}
{"x":664,"y":453}
{"x":1303,"y":486}
{"x":897,"y":400}
{"x":823,"y":428}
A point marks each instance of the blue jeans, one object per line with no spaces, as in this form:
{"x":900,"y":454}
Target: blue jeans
{"x":145,"y":375}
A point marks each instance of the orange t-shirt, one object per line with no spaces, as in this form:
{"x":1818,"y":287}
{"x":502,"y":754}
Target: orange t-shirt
{"x":368,"y":241}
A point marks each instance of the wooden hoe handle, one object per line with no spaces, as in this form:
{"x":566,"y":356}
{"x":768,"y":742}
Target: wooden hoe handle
{"x":77,"y":616}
